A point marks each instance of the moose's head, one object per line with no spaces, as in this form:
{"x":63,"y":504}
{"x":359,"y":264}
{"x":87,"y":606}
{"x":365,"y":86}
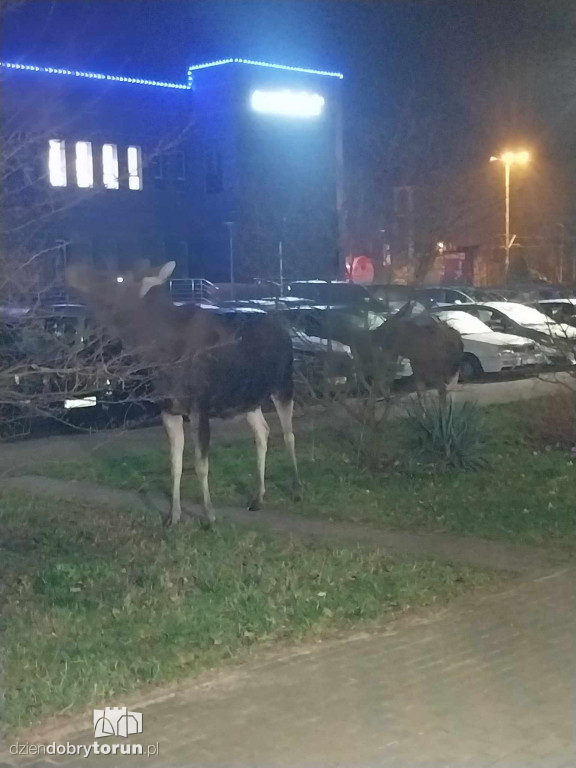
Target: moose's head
{"x":128,"y":306}
{"x":108,"y":293}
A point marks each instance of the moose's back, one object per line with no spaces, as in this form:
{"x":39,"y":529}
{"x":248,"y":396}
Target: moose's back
{"x":250,"y":360}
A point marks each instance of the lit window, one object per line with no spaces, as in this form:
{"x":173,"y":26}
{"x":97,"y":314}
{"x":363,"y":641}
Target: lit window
{"x":57,"y":162}
{"x":84,"y":168}
{"x":134,"y":168}
{"x":287,"y":103}
{"x":110,"y":166}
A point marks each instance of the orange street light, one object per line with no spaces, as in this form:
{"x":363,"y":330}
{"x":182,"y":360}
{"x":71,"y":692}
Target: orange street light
{"x":508,"y":159}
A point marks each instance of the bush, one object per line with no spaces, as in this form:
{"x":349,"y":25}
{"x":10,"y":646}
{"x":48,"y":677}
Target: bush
{"x":453,"y":434}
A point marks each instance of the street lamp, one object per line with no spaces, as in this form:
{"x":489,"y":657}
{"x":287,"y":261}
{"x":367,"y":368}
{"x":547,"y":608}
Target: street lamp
{"x":230,"y":226}
{"x":509,"y":159}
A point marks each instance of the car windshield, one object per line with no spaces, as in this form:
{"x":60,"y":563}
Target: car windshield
{"x":524,"y":315}
{"x":464,"y":323}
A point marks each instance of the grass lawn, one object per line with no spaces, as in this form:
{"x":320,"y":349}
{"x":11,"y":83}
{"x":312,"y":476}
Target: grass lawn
{"x":524,"y":493}
{"x":96,"y":604}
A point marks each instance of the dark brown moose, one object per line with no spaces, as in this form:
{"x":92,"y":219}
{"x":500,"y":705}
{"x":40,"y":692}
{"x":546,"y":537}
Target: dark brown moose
{"x":433,"y":348}
{"x":202,"y":365}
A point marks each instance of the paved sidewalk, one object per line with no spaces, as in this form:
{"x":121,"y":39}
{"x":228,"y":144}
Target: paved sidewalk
{"x":489,"y":681}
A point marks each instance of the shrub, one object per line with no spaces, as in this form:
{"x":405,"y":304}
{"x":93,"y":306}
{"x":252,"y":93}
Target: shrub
{"x":453,"y":435}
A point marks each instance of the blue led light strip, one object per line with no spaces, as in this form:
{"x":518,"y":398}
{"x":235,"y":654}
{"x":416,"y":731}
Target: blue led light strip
{"x":95,"y":76}
{"x":264,"y":64}
{"x":157,"y":83}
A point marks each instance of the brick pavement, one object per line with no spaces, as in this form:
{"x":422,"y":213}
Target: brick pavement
{"x":489,"y":681}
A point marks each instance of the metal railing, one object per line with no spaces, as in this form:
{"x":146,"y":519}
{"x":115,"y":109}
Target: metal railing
{"x":182,"y":290}
{"x":192,"y":289}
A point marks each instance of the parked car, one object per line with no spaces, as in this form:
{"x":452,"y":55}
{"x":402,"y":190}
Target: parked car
{"x":560,"y":310}
{"x":394,"y":297}
{"x":487,"y":294}
{"x":343,"y":312}
{"x":443,"y":295}
{"x":489,"y":351}
{"x":334,"y":293}
{"x":350,"y":305}
{"x":558,"y":339}
{"x":321,"y":363}
{"x":59,"y":365}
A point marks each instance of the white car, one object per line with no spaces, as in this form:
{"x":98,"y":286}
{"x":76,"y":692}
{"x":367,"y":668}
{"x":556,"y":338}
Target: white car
{"x":560,"y":310}
{"x":488,"y":351}
{"x":557,"y":340}
{"x":520,"y":316}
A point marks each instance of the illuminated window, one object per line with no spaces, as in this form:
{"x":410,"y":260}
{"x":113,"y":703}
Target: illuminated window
{"x":110,"y":166}
{"x":57,"y":162}
{"x":287,"y":103}
{"x":84,"y":168}
{"x":134,"y":168}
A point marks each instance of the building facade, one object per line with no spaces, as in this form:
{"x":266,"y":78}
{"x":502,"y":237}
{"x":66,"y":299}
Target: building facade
{"x":238,"y":168}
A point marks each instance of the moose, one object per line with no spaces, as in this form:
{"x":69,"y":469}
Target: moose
{"x":203,"y":365}
{"x":433,"y":348}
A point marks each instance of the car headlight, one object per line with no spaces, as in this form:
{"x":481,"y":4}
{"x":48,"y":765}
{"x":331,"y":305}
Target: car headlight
{"x":507,"y":351}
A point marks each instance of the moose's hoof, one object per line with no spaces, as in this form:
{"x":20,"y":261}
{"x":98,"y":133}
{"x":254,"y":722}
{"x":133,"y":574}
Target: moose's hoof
{"x":255,"y":505}
{"x":208,"y":518}
{"x":298,"y":493}
{"x":172,"y":519}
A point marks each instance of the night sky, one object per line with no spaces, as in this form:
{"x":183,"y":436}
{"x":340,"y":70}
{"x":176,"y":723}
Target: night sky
{"x":498,"y":70}
{"x":446,"y":83}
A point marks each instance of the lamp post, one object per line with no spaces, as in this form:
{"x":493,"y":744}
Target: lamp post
{"x":509,"y":159}
{"x":230,"y":226}
{"x":281,"y":255}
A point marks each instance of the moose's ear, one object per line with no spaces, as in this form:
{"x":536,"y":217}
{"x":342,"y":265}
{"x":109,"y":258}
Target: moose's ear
{"x":166,"y":271}
{"x":159,"y":279}
{"x":79,"y":277}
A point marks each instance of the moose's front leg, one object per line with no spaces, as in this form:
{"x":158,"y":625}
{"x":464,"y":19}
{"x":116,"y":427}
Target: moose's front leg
{"x":174,"y":427}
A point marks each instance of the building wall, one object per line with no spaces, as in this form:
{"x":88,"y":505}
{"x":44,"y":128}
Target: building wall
{"x":274,"y":177}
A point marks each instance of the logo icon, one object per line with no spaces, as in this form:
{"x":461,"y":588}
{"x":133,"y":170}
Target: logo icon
{"x":116,"y":721}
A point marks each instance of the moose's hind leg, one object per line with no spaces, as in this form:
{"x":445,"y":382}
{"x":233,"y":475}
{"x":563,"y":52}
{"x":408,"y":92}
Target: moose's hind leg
{"x":200,"y":428}
{"x":174,"y":427}
{"x":261,"y":431}
{"x":285,"y":410}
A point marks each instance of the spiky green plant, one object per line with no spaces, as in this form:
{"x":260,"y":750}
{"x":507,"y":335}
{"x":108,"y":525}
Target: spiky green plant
{"x":452,"y":434}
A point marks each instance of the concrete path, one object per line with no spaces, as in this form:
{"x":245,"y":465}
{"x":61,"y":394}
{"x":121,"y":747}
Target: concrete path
{"x":486,"y":553}
{"x":488,"y":682}
{"x":19,"y":456}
